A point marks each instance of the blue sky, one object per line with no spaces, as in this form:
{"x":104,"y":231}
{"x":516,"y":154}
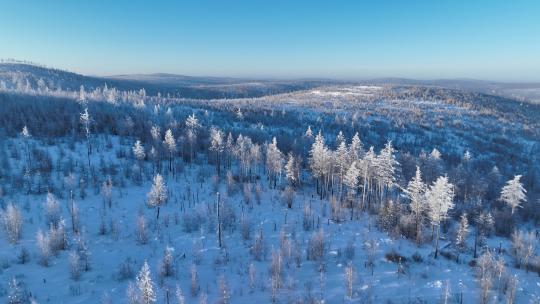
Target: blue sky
{"x":497,"y":40}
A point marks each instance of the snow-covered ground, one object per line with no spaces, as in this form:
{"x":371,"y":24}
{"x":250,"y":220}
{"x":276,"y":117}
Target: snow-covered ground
{"x":352,"y":91}
{"x":193,"y":191}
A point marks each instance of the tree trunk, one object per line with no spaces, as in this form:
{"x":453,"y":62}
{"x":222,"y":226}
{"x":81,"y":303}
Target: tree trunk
{"x":72,"y":213}
{"x":475,"y":244}
{"x":218,"y":164}
{"x":437,"y":241}
{"x":417,"y":230}
{"x":219,"y":220}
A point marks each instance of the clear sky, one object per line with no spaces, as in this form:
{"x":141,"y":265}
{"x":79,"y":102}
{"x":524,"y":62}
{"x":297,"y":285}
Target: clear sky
{"x":497,"y":40}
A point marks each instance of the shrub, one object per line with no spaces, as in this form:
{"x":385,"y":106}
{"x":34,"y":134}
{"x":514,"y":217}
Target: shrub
{"x":316,"y":246}
{"x":395,"y":257}
{"x":417,"y":257}
{"x":125,"y":271}
{"x":349,"y":250}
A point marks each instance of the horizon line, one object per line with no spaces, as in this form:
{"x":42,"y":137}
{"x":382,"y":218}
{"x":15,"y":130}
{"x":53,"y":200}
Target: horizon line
{"x":269,"y":77}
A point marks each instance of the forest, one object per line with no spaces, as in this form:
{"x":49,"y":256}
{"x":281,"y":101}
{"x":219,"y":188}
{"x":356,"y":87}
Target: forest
{"x":316,"y":193}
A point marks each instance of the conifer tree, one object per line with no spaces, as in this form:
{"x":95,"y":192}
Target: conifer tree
{"x":513,"y":193}
{"x":440,"y":198}
{"x":146,"y":285}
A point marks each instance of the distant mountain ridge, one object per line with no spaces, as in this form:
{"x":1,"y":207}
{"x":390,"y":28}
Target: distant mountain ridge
{"x":212,"y":87}
{"x":174,"y":85}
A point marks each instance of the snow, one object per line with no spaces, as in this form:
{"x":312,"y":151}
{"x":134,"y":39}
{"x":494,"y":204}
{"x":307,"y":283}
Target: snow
{"x":422,"y":281}
{"x":352,"y":91}
{"x":52,"y":284}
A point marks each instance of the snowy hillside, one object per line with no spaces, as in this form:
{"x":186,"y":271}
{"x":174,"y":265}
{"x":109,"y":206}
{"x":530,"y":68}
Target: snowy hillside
{"x":339,"y":193}
{"x":23,"y":76}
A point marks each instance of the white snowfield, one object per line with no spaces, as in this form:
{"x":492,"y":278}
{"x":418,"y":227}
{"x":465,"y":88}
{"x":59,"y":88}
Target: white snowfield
{"x":361,"y":91}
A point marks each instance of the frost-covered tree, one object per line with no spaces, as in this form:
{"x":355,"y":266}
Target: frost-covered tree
{"x":255,"y":156}
{"x":224,"y":291}
{"x":192,"y":125}
{"x":138,"y":151}
{"x":25,"y":134}
{"x":52,"y":210}
{"x":132,"y":294}
{"x":242,"y":151}
{"x":349,"y":280}
{"x":216,"y":145}
{"x":440,"y":197}
{"x":351,"y":181}
{"x":106,"y":192}
{"x":318,"y":162}
{"x":276,"y":272}
{"x":308,"y":134}
{"x":340,"y":138}
{"x":386,"y":164}
{"x":367,"y":171}
{"x":140,"y":154}
{"x":467,"y":156}
{"x":145,"y":285}
{"x":435,"y":154}
{"x":513,"y":193}
{"x":432,"y":165}
{"x":83,"y":251}
{"x":194,"y":287}
{"x":416,"y":191}
{"x":158,"y":193}
{"x":356,"y":148}
{"x":370,"y":247}
{"x":17,"y":294}
{"x":82,"y":94}
{"x":484,"y":227}
{"x":111,"y":95}
{"x":180,"y":298}
{"x":140,"y":230}
{"x":155,"y":132}
{"x":166,"y":266}
{"x":523,"y":247}
{"x":274,"y":161}
{"x":229,"y":149}
{"x":74,"y":265}
{"x":463,"y":232}
{"x":12,"y":222}
{"x":292,"y":170}
{"x":170,"y":143}
{"x":341,"y":160}
{"x":486,"y":273}
{"x":85,"y":121}
{"x":43,"y":244}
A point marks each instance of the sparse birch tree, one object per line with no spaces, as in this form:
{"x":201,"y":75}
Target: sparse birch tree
{"x":416,"y":191}
{"x":274,"y":161}
{"x":170,"y":143}
{"x":192,"y":125}
{"x":440,"y":198}
{"x":86,"y":120}
{"x":138,"y":152}
{"x":158,"y":193}
{"x":216,"y":145}
{"x":351,"y":181}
